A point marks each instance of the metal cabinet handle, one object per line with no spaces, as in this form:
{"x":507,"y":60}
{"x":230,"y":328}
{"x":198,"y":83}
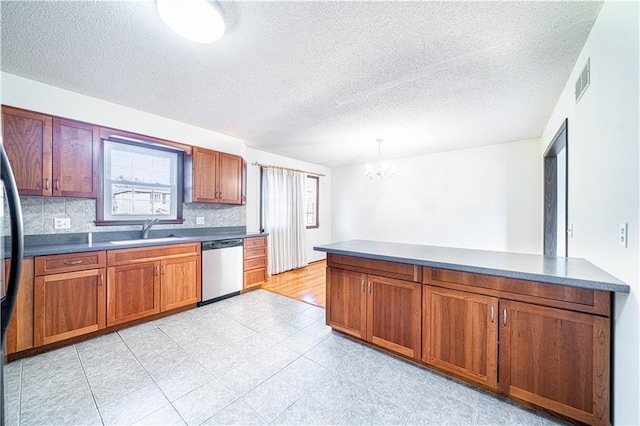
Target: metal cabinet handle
{"x":369,"y":287}
{"x":57,"y":184}
{"x":362,"y":286}
{"x":101,"y":280}
{"x":162,"y":269}
{"x":46,"y":183}
{"x":73,"y":262}
{"x":156,"y":270}
{"x":492,"y":314}
{"x":504,"y":317}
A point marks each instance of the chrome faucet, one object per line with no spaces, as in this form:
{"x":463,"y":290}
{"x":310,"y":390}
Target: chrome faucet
{"x":146,"y":227}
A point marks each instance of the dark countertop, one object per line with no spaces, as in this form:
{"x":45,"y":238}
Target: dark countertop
{"x":42,"y":245}
{"x":553,"y":270}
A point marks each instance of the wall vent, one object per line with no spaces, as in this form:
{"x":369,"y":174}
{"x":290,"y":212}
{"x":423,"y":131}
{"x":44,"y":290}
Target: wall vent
{"x":583,"y":80}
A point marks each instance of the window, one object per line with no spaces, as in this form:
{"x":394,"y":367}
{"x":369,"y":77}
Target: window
{"x":312,"y":196}
{"x":141,"y":181}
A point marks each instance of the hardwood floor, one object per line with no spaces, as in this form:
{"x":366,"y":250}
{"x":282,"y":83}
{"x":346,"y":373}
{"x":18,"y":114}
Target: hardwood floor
{"x":306,"y":284}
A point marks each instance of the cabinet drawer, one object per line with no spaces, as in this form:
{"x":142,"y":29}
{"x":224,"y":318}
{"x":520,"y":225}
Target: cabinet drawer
{"x":58,"y":263}
{"x":144,"y":254}
{"x":255,"y":277}
{"x":255,"y":242}
{"x":257,"y":263}
{"x":250,"y":253}
{"x":401,"y":271}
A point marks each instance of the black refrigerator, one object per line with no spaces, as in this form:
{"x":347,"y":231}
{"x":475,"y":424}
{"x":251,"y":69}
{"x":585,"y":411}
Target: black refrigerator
{"x":11,"y":211}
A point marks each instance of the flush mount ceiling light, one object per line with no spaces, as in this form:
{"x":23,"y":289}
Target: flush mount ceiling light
{"x":196,"y":20}
{"x":381,"y":171}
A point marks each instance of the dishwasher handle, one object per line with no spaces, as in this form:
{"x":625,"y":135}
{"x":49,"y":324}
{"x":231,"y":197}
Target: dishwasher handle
{"x":222,"y":244}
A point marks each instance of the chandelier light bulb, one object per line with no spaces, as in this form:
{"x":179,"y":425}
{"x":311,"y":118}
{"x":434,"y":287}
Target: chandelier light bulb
{"x":381,"y":171}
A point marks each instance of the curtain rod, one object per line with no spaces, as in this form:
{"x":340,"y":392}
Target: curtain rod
{"x":287,"y":168}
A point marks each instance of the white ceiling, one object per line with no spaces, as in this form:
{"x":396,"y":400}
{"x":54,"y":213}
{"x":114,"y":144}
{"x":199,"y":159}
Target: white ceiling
{"x":317,"y":80}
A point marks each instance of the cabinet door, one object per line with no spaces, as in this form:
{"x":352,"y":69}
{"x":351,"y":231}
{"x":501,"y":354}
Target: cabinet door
{"x":20,"y":328}
{"x":460,"y":334}
{"x":205,"y":171}
{"x":180,"y":282}
{"x":394,"y":314}
{"x":346,"y":302}
{"x":230,"y":179}
{"x":133,"y":292}
{"x":556,"y":359}
{"x":68,"y":305}
{"x":243,"y":196}
{"x":27,"y":141}
{"x":75,"y":158}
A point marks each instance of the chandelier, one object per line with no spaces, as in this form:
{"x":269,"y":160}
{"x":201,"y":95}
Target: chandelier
{"x":381,"y":171}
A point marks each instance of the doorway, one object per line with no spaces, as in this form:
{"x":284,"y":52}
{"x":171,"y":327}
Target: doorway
{"x":556,"y":196}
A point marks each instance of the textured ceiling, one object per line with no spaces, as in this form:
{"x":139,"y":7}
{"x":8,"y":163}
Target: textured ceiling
{"x":317,"y":80}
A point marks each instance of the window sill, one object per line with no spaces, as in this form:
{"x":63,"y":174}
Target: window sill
{"x":137,"y":222}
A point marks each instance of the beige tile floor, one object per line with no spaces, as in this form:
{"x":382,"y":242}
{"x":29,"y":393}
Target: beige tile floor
{"x":257,"y":358}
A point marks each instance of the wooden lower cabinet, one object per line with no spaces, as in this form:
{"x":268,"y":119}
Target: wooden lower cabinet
{"x":347,"y":302}
{"x":542,"y":344}
{"x":460,"y":334}
{"x":255,"y":262}
{"x":556,"y":359}
{"x":20,"y":328}
{"x":146,"y":281}
{"x":384,"y":311}
{"x":68,"y":305}
{"x":178,"y":277}
{"x":133,"y":292}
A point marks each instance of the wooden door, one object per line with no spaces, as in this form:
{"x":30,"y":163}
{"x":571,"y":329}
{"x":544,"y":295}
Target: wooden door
{"x":20,"y":328}
{"x":133,"y":292}
{"x":68,"y":305}
{"x":181,"y":283}
{"x":205,"y":171}
{"x":394,"y":314}
{"x":27,"y":141}
{"x":460,"y":334}
{"x":229,"y":179}
{"x":347,"y":302}
{"x":75,"y":158}
{"x":556,"y":359}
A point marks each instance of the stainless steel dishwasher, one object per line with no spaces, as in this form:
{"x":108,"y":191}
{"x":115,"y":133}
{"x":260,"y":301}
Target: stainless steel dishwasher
{"x":222,"y":267}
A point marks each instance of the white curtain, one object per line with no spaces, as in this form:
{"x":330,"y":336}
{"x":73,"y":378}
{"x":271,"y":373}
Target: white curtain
{"x":283,"y":198}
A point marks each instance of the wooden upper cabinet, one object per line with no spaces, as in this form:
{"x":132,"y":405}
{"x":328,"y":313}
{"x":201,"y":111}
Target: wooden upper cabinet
{"x":76,"y":148}
{"x":556,"y":359}
{"x":205,"y":171}
{"x":460,"y":334}
{"x":243,"y":195}
{"x":51,"y":156}
{"x":217,"y":177}
{"x":230,"y":179}
{"x":27,"y":140}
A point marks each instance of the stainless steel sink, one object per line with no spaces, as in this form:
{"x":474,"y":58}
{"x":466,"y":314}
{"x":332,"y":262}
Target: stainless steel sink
{"x":146,"y":241}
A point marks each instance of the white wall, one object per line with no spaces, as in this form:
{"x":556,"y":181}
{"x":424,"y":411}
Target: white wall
{"x":604,"y":185}
{"x":321,"y":235}
{"x":29,"y":94}
{"x":482,"y":198}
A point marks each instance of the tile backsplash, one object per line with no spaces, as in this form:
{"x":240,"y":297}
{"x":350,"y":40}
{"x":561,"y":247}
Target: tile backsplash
{"x":38,"y":214}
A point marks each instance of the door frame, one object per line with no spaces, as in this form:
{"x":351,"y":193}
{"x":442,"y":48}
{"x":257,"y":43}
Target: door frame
{"x":550,"y":232}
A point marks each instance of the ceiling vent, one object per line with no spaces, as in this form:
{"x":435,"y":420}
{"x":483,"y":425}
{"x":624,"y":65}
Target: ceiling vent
{"x":583,"y":80}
